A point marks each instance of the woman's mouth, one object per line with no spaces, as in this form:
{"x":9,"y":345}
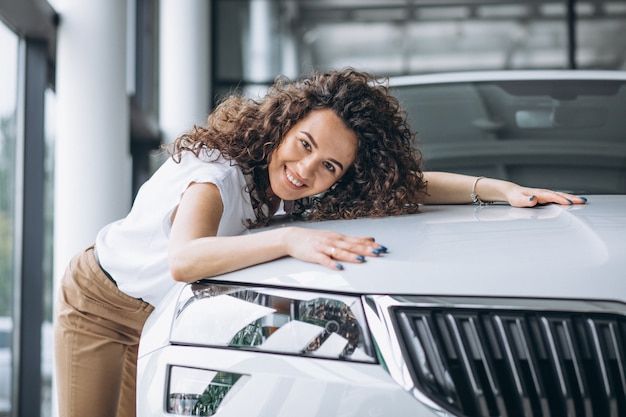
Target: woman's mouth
{"x":292,"y":180}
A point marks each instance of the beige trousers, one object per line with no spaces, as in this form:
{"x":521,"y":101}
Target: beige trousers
{"x":97,"y":329}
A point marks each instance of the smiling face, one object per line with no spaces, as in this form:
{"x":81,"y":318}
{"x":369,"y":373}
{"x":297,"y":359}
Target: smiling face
{"x":313,"y":155}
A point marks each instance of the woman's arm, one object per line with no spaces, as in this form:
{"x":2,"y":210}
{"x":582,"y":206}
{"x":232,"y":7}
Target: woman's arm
{"x":448,"y":188}
{"x":195,"y":252}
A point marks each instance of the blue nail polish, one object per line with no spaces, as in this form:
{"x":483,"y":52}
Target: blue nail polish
{"x":360,"y":258}
{"x":583,"y":199}
{"x":376,"y":251}
{"x":570,"y":202}
{"x":532,"y":197}
{"x":339,"y":267}
{"x":382,"y":248}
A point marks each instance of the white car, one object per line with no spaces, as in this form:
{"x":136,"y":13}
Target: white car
{"x":474,"y":311}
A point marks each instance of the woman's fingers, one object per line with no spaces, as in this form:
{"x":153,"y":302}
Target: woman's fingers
{"x":355,"y":249}
{"x":332,"y":248}
{"x":338,"y":256}
{"x":530,"y":197}
{"x":572,"y":199}
{"x":557,"y":197}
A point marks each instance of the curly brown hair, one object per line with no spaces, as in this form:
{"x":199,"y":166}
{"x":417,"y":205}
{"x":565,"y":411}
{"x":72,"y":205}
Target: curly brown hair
{"x":386,"y":176}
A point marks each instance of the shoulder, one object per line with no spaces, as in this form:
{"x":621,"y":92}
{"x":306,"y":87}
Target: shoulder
{"x":210,"y":164}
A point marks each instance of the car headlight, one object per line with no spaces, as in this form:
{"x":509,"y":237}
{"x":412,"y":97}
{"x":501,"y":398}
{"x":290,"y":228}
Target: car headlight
{"x":273,"y":320}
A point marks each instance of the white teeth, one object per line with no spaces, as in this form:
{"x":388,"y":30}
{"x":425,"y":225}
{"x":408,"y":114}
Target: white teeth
{"x":294,"y":181}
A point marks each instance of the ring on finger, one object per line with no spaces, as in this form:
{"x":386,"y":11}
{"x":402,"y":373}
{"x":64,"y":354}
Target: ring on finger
{"x":332,"y":251}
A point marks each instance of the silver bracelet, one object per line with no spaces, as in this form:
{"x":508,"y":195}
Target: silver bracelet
{"x":475,"y":197}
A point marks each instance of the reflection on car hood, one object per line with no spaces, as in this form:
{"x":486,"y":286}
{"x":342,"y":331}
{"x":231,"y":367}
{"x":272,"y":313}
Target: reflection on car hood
{"x":550,"y":251}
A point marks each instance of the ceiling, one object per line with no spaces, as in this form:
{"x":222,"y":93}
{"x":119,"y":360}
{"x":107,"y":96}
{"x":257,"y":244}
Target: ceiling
{"x":392,"y":37}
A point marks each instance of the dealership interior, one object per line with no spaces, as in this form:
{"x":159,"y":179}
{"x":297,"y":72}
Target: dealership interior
{"x":90,"y":90}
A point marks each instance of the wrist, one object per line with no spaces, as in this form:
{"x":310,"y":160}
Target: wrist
{"x":474,"y":194}
{"x":490,"y":190}
{"x":283,"y":239}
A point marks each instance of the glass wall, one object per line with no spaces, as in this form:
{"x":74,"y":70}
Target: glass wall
{"x":47,"y":338}
{"x":11,"y":191}
{"x":8,"y":186}
{"x":399,"y":37}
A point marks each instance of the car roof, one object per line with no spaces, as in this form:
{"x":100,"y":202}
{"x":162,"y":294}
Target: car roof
{"x":550,"y":251}
{"x":508,"y":75}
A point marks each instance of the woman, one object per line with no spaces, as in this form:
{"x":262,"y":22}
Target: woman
{"x":333,"y":146}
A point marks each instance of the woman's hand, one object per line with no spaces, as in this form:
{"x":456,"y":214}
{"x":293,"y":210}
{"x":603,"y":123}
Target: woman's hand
{"x":448,"y":188}
{"x":329,"y":248}
{"x":518,"y":196}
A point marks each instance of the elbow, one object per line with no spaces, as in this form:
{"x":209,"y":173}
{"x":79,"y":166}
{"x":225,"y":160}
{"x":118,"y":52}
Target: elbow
{"x":178,"y":276}
{"x":181,"y":271}
{"x":185,"y":269}
{"x":192,"y":262}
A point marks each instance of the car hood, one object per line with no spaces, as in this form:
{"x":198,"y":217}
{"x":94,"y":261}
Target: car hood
{"x":550,"y":251}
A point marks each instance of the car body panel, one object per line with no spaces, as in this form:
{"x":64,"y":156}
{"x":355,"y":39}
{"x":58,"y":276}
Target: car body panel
{"x":545,"y":253}
{"x":283,"y":385}
{"x":550,"y":251}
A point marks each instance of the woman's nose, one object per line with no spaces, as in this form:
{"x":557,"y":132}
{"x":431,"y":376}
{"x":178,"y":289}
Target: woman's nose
{"x":306,"y":167}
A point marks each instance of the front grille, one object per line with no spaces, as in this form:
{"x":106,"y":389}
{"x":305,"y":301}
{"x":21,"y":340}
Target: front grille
{"x":482,"y":362}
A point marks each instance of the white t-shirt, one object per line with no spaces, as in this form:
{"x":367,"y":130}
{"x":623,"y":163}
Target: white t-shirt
{"x":134,"y":250}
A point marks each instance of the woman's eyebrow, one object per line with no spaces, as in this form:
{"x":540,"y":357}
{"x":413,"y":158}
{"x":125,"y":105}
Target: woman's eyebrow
{"x":334,"y":161}
{"x":310,"y":138}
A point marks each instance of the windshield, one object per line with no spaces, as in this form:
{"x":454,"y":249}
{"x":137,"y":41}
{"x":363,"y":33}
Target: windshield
{"x":568,"y":135}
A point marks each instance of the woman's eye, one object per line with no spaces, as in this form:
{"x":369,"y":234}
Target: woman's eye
{"x":329,"y":166}
{"x":306,"y":144}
